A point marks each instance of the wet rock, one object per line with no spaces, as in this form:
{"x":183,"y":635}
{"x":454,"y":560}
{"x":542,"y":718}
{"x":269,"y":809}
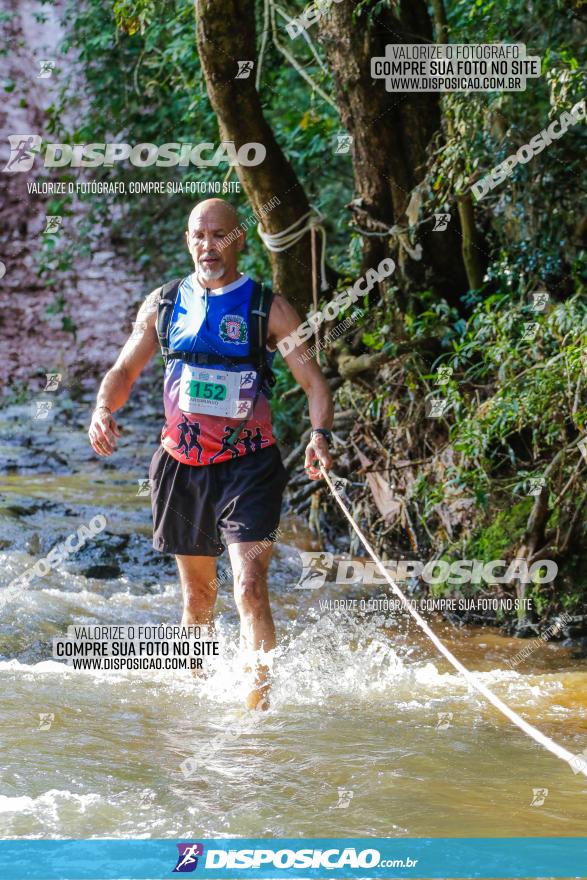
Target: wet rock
{"x":27,"y":507}
{"x":578,"y":647}
{"x":105,"y":545}
{"x":104,"y":571}
{"x":576,"y":628}
{"x":524,"y":629}
{"x":34,"y":545}
{"x":575,"y":633}
{"x":60,"y":459}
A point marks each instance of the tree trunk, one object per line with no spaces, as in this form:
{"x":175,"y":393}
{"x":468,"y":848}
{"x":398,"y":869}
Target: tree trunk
{"x":532,"y":539}
{"x":473,"y":258}
{"x":226,"y":33}
{"x":391,"y":133}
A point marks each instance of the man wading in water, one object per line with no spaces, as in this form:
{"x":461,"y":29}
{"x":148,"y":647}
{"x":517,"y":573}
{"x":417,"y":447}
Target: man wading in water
{"x":217,"y":479}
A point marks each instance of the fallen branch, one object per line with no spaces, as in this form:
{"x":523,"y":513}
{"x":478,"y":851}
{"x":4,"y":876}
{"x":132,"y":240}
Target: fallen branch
{"x":306,"y":492}
{"x":350,"y":366}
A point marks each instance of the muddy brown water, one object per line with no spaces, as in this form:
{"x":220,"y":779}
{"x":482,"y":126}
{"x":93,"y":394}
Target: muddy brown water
{"x":370,"y":733}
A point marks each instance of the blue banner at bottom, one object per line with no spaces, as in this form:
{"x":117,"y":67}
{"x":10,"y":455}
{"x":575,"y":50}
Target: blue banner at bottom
{"x":241,"y":858}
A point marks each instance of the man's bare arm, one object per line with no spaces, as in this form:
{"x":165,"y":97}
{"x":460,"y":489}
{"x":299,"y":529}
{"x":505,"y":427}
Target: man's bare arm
{"x":283,"y":320}
{"x":117,"y":383}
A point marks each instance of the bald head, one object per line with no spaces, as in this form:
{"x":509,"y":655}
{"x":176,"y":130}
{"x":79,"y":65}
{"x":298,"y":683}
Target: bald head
{"x":216,"y":210}
{"x":213,"y":248}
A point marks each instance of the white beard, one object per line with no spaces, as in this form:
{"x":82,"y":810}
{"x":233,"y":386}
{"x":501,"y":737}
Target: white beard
{"x":210,"y":274}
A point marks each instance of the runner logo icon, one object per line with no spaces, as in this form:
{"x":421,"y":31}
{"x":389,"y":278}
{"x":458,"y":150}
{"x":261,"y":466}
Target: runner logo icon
{"x":316,"y":566}
{"x":187,"y":860}
{"x":23,"y":148}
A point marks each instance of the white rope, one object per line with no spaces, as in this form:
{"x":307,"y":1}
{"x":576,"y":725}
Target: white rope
{"x":277,"y":242}
{"x":304,"y":34}
{"x":281,"y":48}
{"x":528,"y":729}
{"x":269,"y":9}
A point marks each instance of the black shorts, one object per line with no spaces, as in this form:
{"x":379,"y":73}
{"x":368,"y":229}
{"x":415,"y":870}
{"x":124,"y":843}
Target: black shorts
{"x":198,"y":509}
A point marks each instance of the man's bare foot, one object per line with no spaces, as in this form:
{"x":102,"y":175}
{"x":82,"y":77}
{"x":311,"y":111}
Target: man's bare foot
{"x":258,"y":698}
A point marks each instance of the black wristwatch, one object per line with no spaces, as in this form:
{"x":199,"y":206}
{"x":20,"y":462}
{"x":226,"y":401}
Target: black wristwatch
{"x":325,"y":433}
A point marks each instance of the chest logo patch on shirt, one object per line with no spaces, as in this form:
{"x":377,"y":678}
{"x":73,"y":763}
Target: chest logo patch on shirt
{"x":233,"y":328}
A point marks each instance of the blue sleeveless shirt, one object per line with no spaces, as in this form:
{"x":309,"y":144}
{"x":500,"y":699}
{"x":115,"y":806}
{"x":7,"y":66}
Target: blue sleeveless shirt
{"x":204,"y":404}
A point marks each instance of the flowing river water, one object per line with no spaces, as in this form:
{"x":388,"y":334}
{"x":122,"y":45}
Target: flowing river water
{"x":369,"y":733}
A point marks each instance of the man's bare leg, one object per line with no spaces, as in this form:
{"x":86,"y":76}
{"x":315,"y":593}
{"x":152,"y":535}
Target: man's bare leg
{"x":199,"y":589}
{"x":249,"y":567}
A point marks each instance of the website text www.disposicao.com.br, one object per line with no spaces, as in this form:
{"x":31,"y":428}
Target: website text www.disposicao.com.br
{"x":303,"y":858}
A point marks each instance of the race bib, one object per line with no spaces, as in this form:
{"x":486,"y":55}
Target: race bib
{"x":216,"y":392}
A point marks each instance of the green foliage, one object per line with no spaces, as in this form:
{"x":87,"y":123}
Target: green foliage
{"x":515,"y":398}
{"x":143,"y":83}
{"x":516,"y":382}
{"x":489,"y":127}
{"x":534,"y":380}
{"x":493,"y":541}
